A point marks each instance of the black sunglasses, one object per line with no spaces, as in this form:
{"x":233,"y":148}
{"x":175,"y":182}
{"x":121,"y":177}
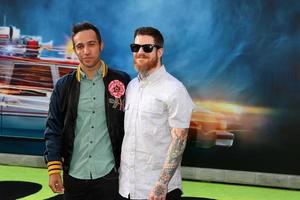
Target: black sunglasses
{"x":147,"y":48}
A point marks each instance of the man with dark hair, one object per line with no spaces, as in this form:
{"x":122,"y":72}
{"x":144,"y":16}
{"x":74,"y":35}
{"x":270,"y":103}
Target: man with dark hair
{"x":84,"y":128}
{"x":157,"y":116}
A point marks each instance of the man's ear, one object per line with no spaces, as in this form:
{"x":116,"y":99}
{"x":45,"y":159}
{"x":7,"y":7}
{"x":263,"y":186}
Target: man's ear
{"x":75,"y":51}
{"x":160,"y":52}
{"x":101,"y":46}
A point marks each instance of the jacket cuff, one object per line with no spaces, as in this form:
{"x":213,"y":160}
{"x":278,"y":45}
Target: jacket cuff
{"x":54,"y":167}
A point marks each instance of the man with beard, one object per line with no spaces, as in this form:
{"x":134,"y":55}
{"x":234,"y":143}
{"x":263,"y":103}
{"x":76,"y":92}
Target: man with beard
{"x":157,"y":116}
{"x":84,"y":128}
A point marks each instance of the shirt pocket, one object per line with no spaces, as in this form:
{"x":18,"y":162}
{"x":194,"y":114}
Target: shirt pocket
{"x":153,"y":116}
{"x":153,"y":106}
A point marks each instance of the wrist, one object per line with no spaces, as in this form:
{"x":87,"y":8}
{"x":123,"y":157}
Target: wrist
{"x":162,"y":183}
{"x":54,"y":167}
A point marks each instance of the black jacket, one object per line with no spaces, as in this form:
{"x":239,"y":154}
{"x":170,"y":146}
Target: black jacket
{"x":61,"y":121}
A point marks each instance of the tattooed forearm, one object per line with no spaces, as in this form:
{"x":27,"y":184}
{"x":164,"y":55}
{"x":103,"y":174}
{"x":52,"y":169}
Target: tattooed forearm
{"x":174,"y":156}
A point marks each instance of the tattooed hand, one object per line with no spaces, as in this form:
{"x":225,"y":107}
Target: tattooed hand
{"x":159,"y":192}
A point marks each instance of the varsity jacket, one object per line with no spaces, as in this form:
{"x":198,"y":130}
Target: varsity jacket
{"x":61,"y":120}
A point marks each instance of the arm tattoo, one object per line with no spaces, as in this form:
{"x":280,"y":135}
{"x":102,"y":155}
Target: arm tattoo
{"x":174,"y":156}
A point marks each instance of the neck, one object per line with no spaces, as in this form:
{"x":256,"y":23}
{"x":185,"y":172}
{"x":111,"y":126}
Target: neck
{"x":149,"y":72}
{"x":91,"y":71}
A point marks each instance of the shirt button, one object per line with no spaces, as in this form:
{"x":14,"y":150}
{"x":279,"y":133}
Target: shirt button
{"x":94,"y":98}
{"x":93,"y":111}
{"x":90,"y":156}
{"x":94,"y":83}
{"x":91,"y":142}
{"x":92,"y":126}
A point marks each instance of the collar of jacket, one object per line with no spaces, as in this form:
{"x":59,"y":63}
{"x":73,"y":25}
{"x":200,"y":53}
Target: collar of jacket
{"x":102,"y":64}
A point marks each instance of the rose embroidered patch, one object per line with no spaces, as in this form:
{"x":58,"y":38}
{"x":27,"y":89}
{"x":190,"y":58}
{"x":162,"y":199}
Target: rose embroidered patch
{"x":117,"y":89}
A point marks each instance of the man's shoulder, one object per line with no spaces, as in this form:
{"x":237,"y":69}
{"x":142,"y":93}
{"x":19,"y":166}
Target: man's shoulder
{"x":133,"y":82}
{"x":171,"y":81}
{"x":118,"y":74}
{"x":64,"y":79}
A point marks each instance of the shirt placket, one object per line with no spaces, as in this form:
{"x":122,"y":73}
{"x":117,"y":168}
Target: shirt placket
{"x":139,"y":125}
{"x":92,"y":126}
{"x":135,"y":128}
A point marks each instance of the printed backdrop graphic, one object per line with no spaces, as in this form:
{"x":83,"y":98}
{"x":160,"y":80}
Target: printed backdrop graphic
{"x":238,"y":59}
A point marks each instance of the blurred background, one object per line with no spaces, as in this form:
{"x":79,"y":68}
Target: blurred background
{"x":238,"y":59}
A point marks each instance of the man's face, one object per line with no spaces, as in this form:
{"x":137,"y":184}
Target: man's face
{"x":145,"y":62}
{"x":87,"y":48}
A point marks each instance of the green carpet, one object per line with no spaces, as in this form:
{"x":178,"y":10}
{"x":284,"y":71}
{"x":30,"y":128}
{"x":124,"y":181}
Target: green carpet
{"x":37,"y":176}
{"x":237,"y":192}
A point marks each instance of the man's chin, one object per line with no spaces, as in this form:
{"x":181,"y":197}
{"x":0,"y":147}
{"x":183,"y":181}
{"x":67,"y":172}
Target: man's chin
{"x":143,"y":69}
{"x":88,"y":64}
{"x":138,"y":69}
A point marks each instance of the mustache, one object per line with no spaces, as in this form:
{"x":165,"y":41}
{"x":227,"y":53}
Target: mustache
{"x":141,"y":56}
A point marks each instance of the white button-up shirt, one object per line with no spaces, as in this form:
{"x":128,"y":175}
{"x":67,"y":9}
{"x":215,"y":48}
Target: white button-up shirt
{"x":154,"y":105}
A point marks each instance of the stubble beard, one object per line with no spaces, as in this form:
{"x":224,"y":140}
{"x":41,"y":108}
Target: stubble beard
{"x":90,"y":65}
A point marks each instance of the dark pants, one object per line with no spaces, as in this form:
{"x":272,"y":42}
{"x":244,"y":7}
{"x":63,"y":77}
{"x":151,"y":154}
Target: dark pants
{"x":173,"y":195}
{"x":104,"y":188}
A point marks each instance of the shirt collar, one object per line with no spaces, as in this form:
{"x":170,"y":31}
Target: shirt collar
{"x":154,"y":76}
{"x":84,"y":76}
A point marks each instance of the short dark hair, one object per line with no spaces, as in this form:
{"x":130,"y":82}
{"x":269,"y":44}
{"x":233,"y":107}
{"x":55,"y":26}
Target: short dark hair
{"x":82,"y":26}
{"x":156,"y":34}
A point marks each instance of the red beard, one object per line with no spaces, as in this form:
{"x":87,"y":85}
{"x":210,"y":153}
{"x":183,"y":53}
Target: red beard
{"x":146,"y":65}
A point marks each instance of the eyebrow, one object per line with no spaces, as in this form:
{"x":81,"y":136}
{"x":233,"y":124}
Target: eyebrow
{"x":90,"y":41}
